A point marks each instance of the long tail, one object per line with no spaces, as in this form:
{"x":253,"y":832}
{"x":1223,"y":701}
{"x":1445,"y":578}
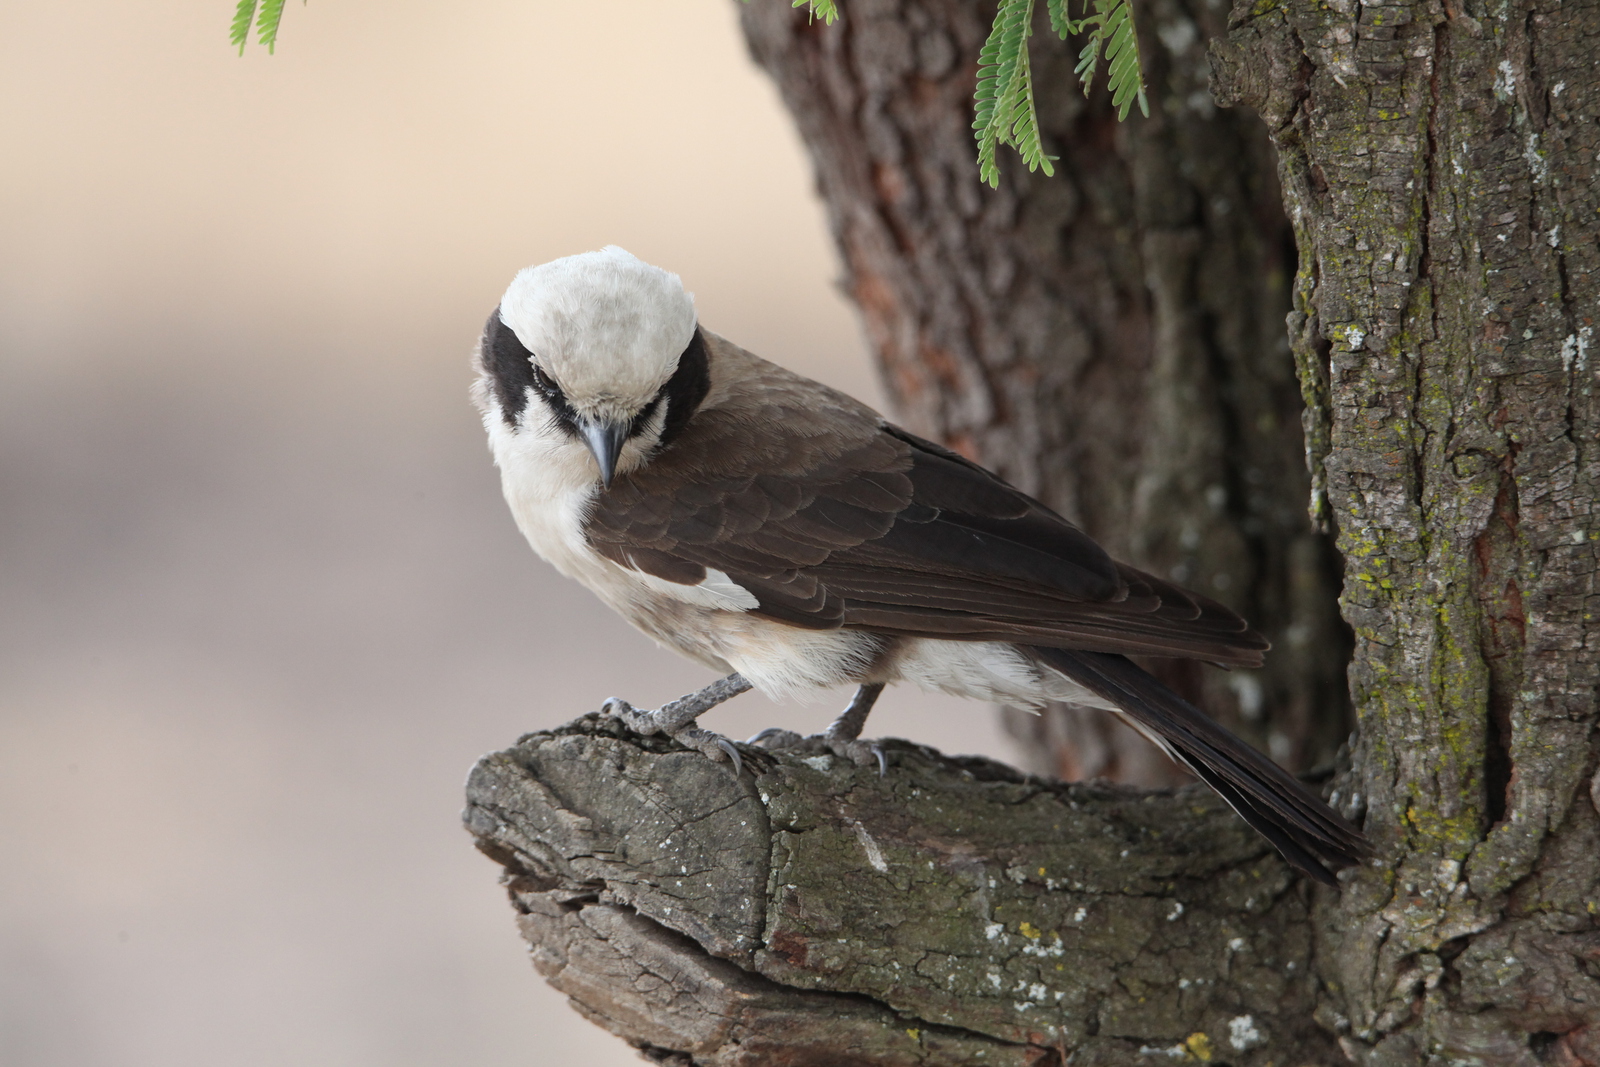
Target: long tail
{"x":1310,"y":835}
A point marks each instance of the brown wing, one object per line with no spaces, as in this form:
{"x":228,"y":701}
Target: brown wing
{"x":831,"y":520}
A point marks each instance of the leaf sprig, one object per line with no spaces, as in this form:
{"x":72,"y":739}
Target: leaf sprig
{"x":1004,"y":108}
{"x":826,"y":10}
{"x":266,"y":19}
{"x":1004,"y":111}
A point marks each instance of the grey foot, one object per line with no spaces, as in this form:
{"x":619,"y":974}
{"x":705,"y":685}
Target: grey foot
{"x":841,"y":738}
{"x":676,"y":719}
{"x":861,"y":753}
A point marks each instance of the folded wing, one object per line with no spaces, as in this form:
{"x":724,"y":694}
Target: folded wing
{"x":868,"y":527}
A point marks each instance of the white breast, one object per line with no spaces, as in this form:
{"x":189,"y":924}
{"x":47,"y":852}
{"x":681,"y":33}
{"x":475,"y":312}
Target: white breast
{"x":549,"y":484}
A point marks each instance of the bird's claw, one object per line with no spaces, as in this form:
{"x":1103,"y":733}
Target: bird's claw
{"x":638,"y":720}
{"x":861,"y":753}
{"x":775,"y":737}
{"x":733,"y":754}
{"x":711,"y":745}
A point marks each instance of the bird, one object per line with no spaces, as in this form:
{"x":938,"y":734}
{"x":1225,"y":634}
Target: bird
{"x":790,"y":538}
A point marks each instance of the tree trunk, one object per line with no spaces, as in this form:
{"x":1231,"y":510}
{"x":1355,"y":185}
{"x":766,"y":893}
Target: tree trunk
{"x":1111,"y":339}
{"x":1441,"y":166}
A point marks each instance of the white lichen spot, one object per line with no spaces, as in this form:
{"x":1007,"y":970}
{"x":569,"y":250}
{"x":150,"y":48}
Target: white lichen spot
{"x":818,"y":763}
{"x":1536,"y":161}
{"x":1177,"y":910}
{"x":993,"y":930}
{"x":1243,"y":1033}
{"x":1080,"y":915}
{"x":1176,"y":1052}
{"x":1044,"y":949}
{"x":1037,"y":991}
{"x":994,"y":979}
{"x":1553,"y":238}
{"x":1355,"y":337}
{"x":1236,"y":945}
{"x":1558,"y":88}
{"x":1505,"y":81}
{"x":874,"y":853}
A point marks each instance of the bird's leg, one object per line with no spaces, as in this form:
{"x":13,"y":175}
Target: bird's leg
{"x":676,"y":718}
{"x":842,"y":735}
{"x":847,"y":727}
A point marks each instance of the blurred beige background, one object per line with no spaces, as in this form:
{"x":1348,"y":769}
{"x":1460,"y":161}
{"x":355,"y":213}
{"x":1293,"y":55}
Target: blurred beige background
{"x":260,"y":604}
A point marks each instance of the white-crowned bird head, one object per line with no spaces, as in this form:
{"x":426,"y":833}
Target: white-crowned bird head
{"x":598,"y":347}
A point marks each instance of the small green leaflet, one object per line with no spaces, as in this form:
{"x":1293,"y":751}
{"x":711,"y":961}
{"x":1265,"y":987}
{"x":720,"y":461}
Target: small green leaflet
{"x":826,"y":10}
{"x":1004,"y":110}
{"x":1110,"y":25}
{"x":266,"y":20}
{"x":1004,"y":101}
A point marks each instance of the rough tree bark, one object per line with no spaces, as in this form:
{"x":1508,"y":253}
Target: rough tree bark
{"x":1441,"y":165}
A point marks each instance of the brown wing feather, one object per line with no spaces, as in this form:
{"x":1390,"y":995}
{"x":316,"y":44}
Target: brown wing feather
{"x":832,"y":520}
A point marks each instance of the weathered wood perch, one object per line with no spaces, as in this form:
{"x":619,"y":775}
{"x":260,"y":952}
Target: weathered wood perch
{"x":954,"y":912}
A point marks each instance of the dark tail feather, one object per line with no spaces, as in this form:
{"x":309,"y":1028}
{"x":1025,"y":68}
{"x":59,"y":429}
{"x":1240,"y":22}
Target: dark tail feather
{"x":1310,"y":835}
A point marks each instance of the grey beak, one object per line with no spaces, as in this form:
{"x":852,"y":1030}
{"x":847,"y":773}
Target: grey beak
{"x":605,"y":443}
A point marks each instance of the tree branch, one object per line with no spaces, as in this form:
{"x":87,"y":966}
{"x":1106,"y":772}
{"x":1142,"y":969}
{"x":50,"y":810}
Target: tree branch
{"x":953,"y":912}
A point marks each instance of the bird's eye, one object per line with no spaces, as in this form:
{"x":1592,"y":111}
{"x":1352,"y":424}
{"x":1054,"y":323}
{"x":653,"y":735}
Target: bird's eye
{"x":546,"y":384}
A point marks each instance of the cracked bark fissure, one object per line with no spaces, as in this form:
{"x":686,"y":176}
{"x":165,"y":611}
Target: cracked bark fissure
{"x":1441,"y":168}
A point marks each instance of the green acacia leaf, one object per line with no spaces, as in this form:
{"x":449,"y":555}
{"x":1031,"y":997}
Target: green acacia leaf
{"x":243,"y":16}
{"x":1060,"y":19}
{"x":267,"y":24}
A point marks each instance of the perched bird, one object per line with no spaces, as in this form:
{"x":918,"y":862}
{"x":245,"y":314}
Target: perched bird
{"x":790,"y":538}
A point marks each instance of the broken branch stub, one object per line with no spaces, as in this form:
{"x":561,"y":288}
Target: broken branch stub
{"x":953,"y":912}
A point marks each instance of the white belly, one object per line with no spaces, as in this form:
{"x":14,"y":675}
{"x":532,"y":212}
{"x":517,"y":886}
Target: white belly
{"x":984,"y":670}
